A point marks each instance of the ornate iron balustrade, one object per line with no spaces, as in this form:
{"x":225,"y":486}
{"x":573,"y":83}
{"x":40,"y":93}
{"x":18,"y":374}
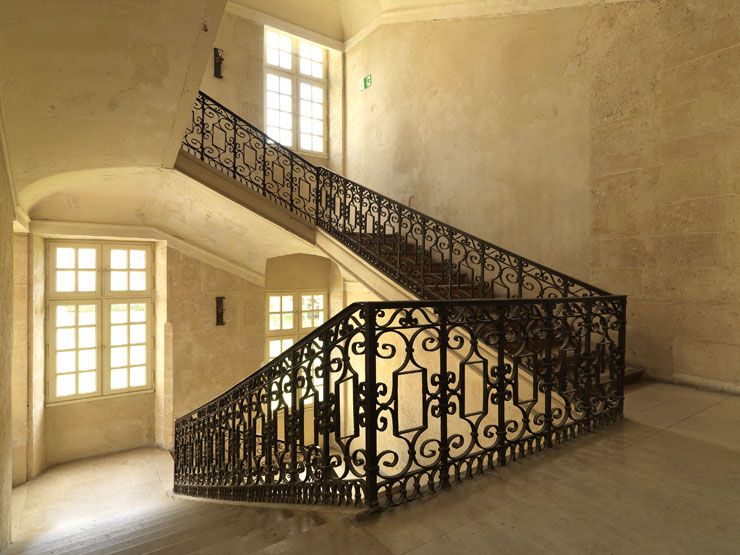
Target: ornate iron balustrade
{"x":431,"y":259}
{"x":387,"y":401}
{"x":390,"y":400}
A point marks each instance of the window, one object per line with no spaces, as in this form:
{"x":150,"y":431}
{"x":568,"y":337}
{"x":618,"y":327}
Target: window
{"x":99,"y":319}
{"x":295,"y":92}
{"x":290,"y":316}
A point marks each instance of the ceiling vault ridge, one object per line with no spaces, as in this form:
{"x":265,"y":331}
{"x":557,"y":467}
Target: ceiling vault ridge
{"x":466,"y":10}
{"x":404,"y":11}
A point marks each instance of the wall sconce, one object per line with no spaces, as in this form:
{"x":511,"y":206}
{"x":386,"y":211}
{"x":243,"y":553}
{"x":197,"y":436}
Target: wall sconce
{"x":220,"y":311}
{"x":218,"y":58}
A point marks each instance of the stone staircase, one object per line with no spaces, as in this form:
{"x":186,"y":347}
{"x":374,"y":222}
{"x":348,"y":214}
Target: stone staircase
{"x":183,"y":526}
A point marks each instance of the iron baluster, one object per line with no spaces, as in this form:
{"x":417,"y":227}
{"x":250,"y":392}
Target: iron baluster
{"x":293,"y":417}
{"x":577,"y":317}
{"x":547,"y":373}
{"x":620,"y":359}
{"x":520,"y":278}
{"x":267,"y":434}
{"x":326,"y":409}
{"x":233,"y":148}
{"x":370,"y":409}
{"x":444,"y":393}
{"x":501,"y":384}
{"x":202,"y":128}
{"x":317,"y":198}
{"x":587,"y":363}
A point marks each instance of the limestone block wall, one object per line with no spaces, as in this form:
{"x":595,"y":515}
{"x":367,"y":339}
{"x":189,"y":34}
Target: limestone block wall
{"x":601,"y":140}
{"x":20,"y":358}
{"x":208,"y":359}
{"x":6,"y":339}
{"x":99,"y":426}
{"x":665,"y":173}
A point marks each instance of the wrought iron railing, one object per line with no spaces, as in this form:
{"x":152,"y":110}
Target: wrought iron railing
{"x":428,"y":257}
{"x":387,"y":401}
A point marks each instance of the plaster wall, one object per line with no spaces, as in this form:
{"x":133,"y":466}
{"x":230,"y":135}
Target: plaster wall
{"x":484,"y":126}
{"x":208,"y":359}
{"x":297,"y":271}
{"x":6,"y":342}
{"x":20,"y":357}
{"x":241,"y":88}
{"x":89,"y":84}
{"x":600,"y":140}
{"x":85,"y":429}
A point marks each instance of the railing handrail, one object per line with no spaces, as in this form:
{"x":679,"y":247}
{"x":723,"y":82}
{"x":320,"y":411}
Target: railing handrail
{"x":379,"y":305}
{"x":487,"y":244}
{"x":270,"y":437}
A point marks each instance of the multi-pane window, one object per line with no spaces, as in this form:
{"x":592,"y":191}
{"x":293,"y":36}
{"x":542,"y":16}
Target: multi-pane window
{"x":74,"y":342}
{"x":295,"y":92}
{"x":128,"y":342}
{"x":290,"y":316}
{"x":100,"y":315}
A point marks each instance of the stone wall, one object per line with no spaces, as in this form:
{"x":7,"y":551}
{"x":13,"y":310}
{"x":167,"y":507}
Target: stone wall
{"x":6,"y":339}
{"x":98,"y":426}
{"x":209,"y":359}
{"x":665,"y":169}
{"x":601,"y":140}
{"x":482,"y":123}
{"x":20,"y":358}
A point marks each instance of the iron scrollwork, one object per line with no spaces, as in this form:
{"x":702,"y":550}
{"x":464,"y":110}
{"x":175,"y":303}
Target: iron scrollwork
{"x":388,"y":401}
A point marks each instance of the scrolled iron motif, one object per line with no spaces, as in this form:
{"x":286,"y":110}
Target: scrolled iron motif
{"x":388,"y":401}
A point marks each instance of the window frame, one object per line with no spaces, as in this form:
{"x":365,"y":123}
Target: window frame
{"x":51,"y":381}
{"x":296,"y":77}
{"x":298,"y":332}
{"x":107,"y":270}
{"x":51,"y":265}
{"x":103,"y":298}
{"x":106,"y":350}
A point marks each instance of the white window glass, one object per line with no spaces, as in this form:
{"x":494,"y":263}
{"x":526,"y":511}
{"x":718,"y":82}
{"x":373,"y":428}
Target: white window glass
{"x":128,"y":270}
{"x":311,"y":120}
{"x":279,"y":111}
{"x":277,"y":346}
{"x":278,"y":49}
{"x":75,"y":269}
{"x":280,"y":312}
{"x":312,"y":310}
{"x":75,"y":349}
{"x":128,"y":345}
{"x":295,"y":68}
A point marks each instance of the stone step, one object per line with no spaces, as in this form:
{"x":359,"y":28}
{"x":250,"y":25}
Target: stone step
{"x":203,"y":518}
{"x":104,"y":533}
{"x":74,"y":535}
{"x":265,"y":537}
{"x":215,"y":535}
{"x":203,"y":533}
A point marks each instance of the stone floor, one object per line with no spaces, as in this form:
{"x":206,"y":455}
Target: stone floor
{"x":666,"y":480}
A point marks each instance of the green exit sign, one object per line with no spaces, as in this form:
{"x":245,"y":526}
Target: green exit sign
{"x":367,"y":81}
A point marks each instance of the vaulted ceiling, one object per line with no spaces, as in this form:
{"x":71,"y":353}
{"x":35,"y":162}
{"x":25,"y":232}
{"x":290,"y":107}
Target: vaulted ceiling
{"x":343,"y":19}
{"x":90,"y":84}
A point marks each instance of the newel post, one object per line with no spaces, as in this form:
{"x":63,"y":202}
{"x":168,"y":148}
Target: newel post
{"x":371,"y":409}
